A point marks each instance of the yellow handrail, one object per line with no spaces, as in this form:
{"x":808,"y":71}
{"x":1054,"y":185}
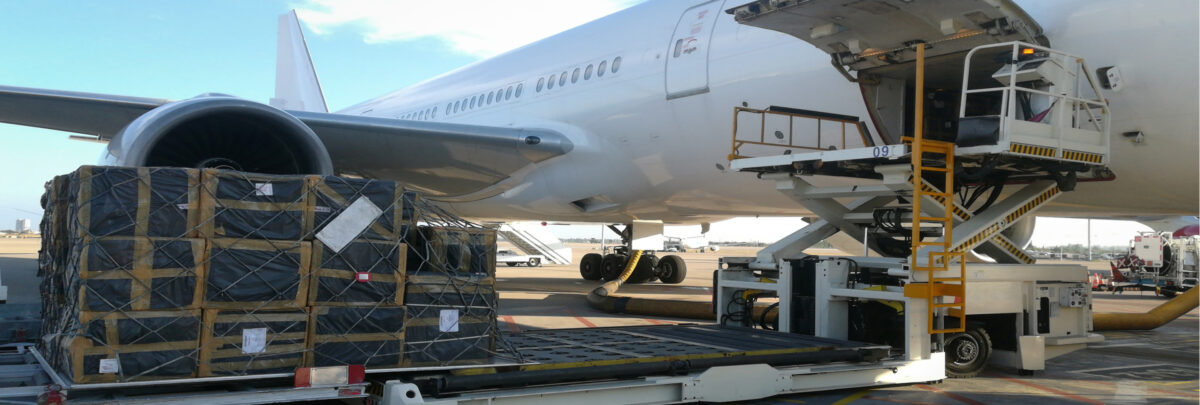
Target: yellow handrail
{"x":736,"y":144}
{"x":935,"y":287}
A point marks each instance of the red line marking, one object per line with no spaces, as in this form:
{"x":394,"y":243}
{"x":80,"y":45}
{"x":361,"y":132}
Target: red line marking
{"x":658,"y":322}
{"x":899,"y":401}
{"x":581,"y":319}
{"x":1050,"y":390}
{"x":950,"y":395}
{"x":512,"y":324}
{"x":1112,"y":384}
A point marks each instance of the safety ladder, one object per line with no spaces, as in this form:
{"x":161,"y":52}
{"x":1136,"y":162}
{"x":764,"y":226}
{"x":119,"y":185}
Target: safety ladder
{"x":944,"y":289}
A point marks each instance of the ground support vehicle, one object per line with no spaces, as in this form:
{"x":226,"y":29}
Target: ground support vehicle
{"x":511,"y":258}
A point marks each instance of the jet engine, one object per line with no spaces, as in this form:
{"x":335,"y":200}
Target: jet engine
{"x":217,"y":130}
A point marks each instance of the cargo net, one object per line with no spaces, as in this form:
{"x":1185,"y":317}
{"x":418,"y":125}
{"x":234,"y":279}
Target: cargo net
{"x":157,"y":273}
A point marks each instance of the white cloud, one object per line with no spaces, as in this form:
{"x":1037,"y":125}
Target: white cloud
{"x":474,"y":27}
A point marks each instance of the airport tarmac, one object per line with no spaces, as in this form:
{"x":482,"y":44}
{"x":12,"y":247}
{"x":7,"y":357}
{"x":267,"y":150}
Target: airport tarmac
{"x":1153,"y":367}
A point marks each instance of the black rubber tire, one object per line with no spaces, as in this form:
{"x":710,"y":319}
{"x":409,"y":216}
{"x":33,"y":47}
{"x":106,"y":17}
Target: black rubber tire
{"x":612,"y":266}
{"x":534,"y":262}
{"x":589,"y":266}
{"x":1168,"y":293}
{"x":967,"y":353}
{"x":510,"y":264}
{"x":671,"y":269}
{"x":644,"y":272}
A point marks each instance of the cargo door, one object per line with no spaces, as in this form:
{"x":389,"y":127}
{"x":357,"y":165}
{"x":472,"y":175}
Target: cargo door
{"x":687,"y":54}
{"x":864,"y":34}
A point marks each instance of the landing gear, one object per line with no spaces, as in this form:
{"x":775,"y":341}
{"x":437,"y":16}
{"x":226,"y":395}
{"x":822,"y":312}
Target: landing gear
{"x":967,"y":353}
{"x":645,"y":270}
{"x":671,"y":269}
{"x":612,"y":265}
{"x":608,"y":267}
{"x":590,"y":265}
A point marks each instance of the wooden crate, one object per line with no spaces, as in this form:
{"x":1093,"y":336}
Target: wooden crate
{"x":444,"y":335}
{"x":257,"y":274}
{"x":255,"y":206}
{"x":139,"y":273}
{"x":458,"y":250}
{"x":332,"y":195}
{"x":131,"y":346}
{"x":244,"y":342}
{"x":144,"y":201}
{"x":335,"y":274}
{"x":372,"y":336}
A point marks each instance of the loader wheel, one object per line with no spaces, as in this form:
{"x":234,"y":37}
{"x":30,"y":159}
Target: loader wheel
{"x":589,"y":266}
{"x":672,"y":269}
{"x":967,"y":353}
{"x":612,"y":266}
{"x":534,"y":262}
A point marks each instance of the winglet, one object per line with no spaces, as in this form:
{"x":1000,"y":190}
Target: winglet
{"x":296,"y":84}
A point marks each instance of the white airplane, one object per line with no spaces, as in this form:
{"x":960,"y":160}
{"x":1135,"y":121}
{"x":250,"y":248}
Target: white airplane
{"x":629,"y":117}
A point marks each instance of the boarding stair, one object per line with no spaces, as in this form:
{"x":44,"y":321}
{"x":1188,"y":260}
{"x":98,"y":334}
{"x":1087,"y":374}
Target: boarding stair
{"x":533,"y":239}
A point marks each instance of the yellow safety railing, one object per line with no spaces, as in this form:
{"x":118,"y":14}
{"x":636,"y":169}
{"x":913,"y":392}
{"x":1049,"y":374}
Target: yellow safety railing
{"x":805,"y":143}
{"x":941,"y":290}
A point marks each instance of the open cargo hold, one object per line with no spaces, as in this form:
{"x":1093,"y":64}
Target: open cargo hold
{"x":329,"y":289}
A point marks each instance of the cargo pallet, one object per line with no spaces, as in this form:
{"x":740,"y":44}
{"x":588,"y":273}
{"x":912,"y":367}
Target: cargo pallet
{"x":647,"y":364}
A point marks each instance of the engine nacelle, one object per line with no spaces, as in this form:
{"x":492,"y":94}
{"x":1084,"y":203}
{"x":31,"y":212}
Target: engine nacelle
{"x":220,"y":131}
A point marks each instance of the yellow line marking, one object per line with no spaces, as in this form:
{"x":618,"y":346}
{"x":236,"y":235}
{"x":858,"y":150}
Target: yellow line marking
{"x":853,"y":397}
{"x":794,"y":401}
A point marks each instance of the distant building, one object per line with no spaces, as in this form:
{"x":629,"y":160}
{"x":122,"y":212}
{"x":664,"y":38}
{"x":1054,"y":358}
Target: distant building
{"x":22,"y":226}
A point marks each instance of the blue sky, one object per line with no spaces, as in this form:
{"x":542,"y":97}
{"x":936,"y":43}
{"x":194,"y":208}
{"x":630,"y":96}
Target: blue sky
{"x":361,"y":49}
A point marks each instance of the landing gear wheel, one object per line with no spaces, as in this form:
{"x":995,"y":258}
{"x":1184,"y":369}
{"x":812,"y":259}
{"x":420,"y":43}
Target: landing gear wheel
{"x":589,"y":266}
{"x":534,"y":262}
{"x":672,"y":269}
{"x":612,"y":266}
{"x":967,"y":353}
{"x":644,"y":271}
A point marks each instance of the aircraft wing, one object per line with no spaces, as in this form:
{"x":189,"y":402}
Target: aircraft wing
{"x":441,"y":159}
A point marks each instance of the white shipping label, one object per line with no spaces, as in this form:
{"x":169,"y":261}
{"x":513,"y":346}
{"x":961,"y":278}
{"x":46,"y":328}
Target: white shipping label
{"x":349,"y":224}
{"x":254,"y":340}
{"x":448,"y":321}
{"x":109,"y":366}
{"x":264,"y":189}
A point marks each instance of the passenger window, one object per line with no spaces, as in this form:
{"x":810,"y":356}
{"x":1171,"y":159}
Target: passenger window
{"x":519,"y":86}
{"x":491,"y":95}
{"x":562,"y":79}
{"x":455,"y":106}
{"x":472,"y":101}
{"x":575,"y":75}
{"x":448,"y":106}
{"x":616,"y":64}
{"x":587,"y":73}
{"x":678,"y":48}
{"x":551,"y":84}
{"x":433,"y":114}
{"x":541,"y":83}
{"x":508,"y":94}
{"x":600,"y":69}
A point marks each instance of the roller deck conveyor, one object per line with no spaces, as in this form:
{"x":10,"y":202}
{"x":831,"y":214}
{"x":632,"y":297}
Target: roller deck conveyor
{"x":597,"y":354}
